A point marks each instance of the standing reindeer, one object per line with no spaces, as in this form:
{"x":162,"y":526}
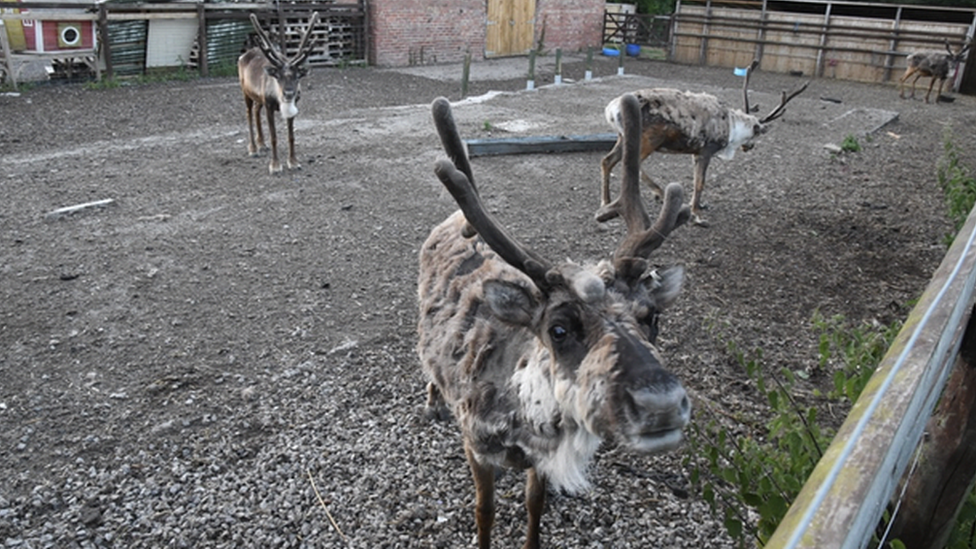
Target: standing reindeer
{"x":674,"y":121}
{"x":935,"y":64}
{"x":270,"y":80}
{"x":540,"y":362}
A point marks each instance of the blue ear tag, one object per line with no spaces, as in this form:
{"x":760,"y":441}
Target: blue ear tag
{"x":740,"y":72}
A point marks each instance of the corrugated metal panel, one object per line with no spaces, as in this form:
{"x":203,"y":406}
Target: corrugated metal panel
{"x":128,"y":39}
{"x":226,"y":41}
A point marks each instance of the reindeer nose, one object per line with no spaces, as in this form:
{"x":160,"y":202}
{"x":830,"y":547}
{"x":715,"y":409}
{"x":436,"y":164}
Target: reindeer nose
{"x":669,"y":404}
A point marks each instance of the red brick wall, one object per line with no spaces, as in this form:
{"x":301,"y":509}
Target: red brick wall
{"x":414,"y":32}
{"x":572,"y":25}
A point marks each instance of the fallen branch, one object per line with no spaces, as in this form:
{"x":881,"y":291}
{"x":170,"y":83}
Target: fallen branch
{"x":322,"y":502}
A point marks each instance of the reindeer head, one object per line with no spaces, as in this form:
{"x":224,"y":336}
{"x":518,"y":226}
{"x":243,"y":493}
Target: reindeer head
{"x":286,"y":72}
{"x":594,"y":326}
{"x":744,"y":126}
{"x":956,"y":58}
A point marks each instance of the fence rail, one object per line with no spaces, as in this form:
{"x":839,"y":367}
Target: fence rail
{"x":843,"y":501}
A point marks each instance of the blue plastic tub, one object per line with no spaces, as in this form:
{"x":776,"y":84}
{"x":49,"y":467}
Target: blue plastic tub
{"x":633,"y":50}
{"x":611,"y":52}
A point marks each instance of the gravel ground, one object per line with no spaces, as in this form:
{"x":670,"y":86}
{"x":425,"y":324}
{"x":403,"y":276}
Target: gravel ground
{"x":222,"y":358}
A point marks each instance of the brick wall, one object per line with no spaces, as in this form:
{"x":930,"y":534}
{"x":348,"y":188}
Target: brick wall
{"x":415,"y":32}
{"x":572,"y":25}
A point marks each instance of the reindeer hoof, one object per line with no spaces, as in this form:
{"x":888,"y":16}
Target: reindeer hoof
{"x":699,"y":221}
{"x":274,"y":168}
{"x":437,"y":413}
{"x":606,"y":213}
{"x":294,"y":166}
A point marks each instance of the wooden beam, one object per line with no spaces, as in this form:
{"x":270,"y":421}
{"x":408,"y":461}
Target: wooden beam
{"x":540,"y":145}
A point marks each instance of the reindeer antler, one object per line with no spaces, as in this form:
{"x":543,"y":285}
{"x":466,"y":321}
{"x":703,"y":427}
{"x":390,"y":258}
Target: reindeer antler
{"x":264,"y":42}
{"x":781,"y":108}
{"x":962,"y":49}
{"x":274,"y":55}
{"x":454,"y":174}
{"x":305,"y":45}
{"x":642,"y":238}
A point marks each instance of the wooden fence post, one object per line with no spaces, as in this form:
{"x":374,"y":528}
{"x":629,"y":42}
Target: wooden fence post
{"x":465,"y":74}
{"x":559,"y":66}
{"x":589,"y":63}
{"x":105,"y":45}
{"x":946,"y":468}
{"x":202,"y":41}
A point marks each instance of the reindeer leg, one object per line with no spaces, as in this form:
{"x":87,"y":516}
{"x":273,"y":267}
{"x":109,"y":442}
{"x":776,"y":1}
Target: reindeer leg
{"x":649,"y":144}
{"x":484,"y":507}
{"x":655,"y":188}
{"x":606,"y":166}
{"x":535,"y":500}
{"x":901,"y":85}
{"x":252,"y":149}
{"x":275,"y":166}
{"x":436,"y":408}
{"x":257,"y":122}
{"x":701,"y":166}
{"x":292,"y":161}
{"x":917,"y":76}
{"x":928,"y":93}
{"x":939,"y":93}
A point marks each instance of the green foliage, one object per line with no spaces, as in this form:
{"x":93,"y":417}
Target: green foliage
{"x":651,"y":7}
{"x":224,"y":68}
{"x":959,"y":188}
{"x":850,"y":144}
{"x":957,"y":183}
{"x":758,"y":467}
{"x":858,"y":350}
{"x":963,"y":536}
{"x":103,"y":84}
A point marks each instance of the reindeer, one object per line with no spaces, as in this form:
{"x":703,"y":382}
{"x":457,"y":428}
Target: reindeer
{"x":935,"y":64}
{"x":540,"y":362}
{"x":270,"y":80}
{"x":686,"y":123}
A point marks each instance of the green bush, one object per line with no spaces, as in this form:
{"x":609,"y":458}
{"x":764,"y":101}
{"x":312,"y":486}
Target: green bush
{"x":759,"y":465}
{"x":957,"y":184}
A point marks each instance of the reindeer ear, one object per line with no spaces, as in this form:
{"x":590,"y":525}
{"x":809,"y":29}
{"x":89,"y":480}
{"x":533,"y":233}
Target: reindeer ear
{"x":665,"y":286}
{"x":510,"y":302}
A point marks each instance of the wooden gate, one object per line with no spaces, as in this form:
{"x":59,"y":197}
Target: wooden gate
{"x":511,"y":27}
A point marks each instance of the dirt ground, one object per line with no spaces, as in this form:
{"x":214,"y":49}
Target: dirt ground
{"x":199,"y":361}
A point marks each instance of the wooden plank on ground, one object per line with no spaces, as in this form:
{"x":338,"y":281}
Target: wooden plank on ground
{"x":541,"y":144}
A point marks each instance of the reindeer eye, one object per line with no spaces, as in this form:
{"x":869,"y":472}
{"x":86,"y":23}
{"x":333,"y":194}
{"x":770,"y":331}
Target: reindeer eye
{"x":558,"y":333}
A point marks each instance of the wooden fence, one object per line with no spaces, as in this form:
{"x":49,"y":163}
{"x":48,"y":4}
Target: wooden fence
{"x":845,"y":497}
{"x":842,"y":40}
{"x":218,"y":31}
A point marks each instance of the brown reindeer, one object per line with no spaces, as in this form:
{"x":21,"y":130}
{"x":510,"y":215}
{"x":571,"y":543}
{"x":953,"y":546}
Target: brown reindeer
{"x":935,"y":64}
{"x":687,"y":123}
{"x":540,"y":362}
{"x":271,"y":80}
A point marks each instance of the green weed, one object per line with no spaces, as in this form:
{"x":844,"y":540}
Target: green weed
{"x":757,"y":468}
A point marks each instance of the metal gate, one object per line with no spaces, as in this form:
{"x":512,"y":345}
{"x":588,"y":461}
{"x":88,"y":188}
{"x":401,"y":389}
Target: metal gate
{"x":511,"y":27}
